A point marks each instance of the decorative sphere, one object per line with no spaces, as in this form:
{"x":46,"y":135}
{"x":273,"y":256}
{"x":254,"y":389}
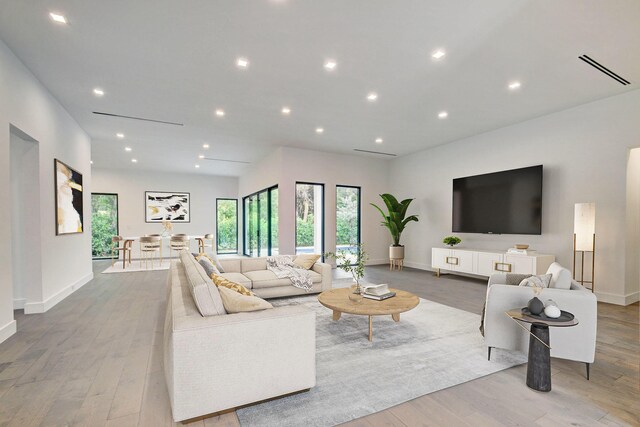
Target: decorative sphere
{"x":552,"y":311}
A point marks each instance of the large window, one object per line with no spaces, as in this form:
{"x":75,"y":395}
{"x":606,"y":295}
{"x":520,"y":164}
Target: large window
{"x":309,"y":218}
{"x":348,"y":219}
{"x":226,"y":226}
{"x":104,"y":223}
{"x":261,"y":223}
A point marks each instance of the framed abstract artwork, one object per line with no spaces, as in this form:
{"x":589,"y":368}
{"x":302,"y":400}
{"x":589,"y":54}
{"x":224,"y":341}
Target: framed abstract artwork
{"x":69,"y":204}
{"x":161,"y":206}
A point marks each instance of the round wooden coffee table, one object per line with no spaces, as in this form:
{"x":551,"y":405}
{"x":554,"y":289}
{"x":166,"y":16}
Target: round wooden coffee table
{"x":338,"y":301}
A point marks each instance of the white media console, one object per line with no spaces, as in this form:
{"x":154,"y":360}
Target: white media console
{"x":485,"y":262}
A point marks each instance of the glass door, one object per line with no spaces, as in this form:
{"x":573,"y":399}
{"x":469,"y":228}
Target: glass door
{"x":309,"y":218}
{"x":261,"y":223}
{"x":104,"y":223}
{"x":348,"y":220}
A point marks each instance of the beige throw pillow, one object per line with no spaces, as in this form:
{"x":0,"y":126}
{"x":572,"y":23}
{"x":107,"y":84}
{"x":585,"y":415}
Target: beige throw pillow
{"x":235,"y":302}
{"x":306,"y":261}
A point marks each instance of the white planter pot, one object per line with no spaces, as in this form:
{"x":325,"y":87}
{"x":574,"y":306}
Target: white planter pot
{"x":396,"y":252}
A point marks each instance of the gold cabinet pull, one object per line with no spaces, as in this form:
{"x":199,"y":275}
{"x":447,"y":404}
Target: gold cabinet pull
{"x":454,"y":258}
{"x":505,"y":267}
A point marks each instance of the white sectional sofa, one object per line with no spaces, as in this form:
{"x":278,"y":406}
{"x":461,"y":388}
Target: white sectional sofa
{"x":253,"y":274}
{"x":223,"y":361}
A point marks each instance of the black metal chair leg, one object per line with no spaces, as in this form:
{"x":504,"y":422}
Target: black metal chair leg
{"x":489,"y":355}
{"x":588,"y":365}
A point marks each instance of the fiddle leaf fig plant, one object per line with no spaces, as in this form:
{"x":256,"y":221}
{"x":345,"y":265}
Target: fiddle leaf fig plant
{"x":395,"y":219}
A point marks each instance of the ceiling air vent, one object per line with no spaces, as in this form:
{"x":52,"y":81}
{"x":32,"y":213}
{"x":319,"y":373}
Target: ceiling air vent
{"x":604,"y":70}
{"x":100,"y":113}
{"x":225,"y":160}
{"x":374,"y":152}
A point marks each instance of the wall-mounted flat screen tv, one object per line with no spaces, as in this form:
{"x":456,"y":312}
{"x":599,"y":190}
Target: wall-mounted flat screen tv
{"x":507,"y":202}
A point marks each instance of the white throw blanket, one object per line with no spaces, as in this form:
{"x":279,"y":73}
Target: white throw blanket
{"x":283,"y":266}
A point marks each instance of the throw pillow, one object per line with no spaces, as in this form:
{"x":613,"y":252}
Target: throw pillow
{"x":514,"y":279}
{"x":212,"y":258}
{"x":541,"y":281}
{"x":306,"y":261}
{"x":208,"y":266}
{"x":221,"y":281}
{"x":238,"y":303}
{"x":561,"y":277}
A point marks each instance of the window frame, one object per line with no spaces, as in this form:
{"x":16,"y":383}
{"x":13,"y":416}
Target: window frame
{"x":117,"y":220}
{"x":295,"y":235}
{"x":268,"y":190}
{"x":237,"y":226}
{"x":359,"y":188}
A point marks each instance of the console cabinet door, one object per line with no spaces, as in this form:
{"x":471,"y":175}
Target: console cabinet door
{"x":520,"y":264}
{"x":439,"y":258}
{"x":487,"y":262}
{"x":464,"y":260}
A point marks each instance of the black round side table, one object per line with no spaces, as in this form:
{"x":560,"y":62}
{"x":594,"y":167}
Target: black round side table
{"x":539,"y":363}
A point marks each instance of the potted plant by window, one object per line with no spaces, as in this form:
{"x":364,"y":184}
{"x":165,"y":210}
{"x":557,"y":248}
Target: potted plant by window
{"x":396,"y":221}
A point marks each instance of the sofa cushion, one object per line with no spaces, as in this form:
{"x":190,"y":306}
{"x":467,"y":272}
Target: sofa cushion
{"x":205,"y":295}
{"x":253,"y":264}
{"x":560,"y":276}
{"x":306,"y":261}
{"x":541,"y":281}
{"x":268,"y":279}
{"x":238,"y":278}
{"x":211,"y":257}
{"x":208,"y":266}
{"x":231,"y":265}
{"x":221,"y":281}
{"x":238,"y":303}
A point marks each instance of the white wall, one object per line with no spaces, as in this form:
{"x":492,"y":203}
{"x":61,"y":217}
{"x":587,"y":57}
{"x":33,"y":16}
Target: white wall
{"x":66,"y":260}
{"x":632,"y":277}
{"x":131,"y":186}
{"x":584,"y":151}
{"x":288,"y":165}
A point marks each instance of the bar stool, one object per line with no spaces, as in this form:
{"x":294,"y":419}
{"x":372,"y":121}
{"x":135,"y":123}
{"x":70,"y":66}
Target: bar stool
{"x":178,"y":242}
{"x":202,"y":243}
{"x":116,"y":249}
{"x":149,"y":245}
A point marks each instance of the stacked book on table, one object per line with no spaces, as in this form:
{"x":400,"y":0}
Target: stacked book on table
{"x":378,"y":292}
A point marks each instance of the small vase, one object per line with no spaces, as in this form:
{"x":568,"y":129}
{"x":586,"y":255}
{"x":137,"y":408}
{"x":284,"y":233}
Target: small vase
{"x":535,"y":306}
{"x":355,"y":296}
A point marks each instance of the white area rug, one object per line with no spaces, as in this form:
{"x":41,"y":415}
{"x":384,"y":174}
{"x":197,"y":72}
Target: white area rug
{"x":432,"y":347}
{"x":135,"y":266}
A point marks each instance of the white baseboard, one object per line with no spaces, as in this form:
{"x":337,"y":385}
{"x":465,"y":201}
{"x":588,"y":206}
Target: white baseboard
{"x":618,"y":299}
{"x":18,"y":303}
{"x":7,"y":330}
{"x":43,"y":306}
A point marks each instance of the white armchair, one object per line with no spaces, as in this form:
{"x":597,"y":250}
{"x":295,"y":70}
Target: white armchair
{"x":575,"y":343}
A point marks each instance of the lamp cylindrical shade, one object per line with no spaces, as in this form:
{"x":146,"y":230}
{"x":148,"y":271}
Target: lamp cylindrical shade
{"x":584,"y":226}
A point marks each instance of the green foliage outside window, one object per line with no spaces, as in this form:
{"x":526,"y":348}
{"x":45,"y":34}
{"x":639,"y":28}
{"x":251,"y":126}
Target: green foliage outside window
{"x":227,"y":212}
{"x":104,"y":223}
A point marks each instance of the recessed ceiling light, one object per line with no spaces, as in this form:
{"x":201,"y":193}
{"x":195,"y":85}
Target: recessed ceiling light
{"x":372,"y":96}
{"x":127,"y":148}
{"x":443,"y":115}
{"x":134,"y":160}
{"x":91,"y":161}
{"x":219,"y":112}
{"x":242,"y":62}
{"x":286,"y":110}
{"x":98,"y":92}
{"x":120,"y":135}
{"x":379,"y":141}
{"x":197,"y":166}
{"x":330,"y":64}
{"x":319,"y":130}
{"x":438,"y":54}
{"x":56,"y":17}
{"x":205,"y":146}
{"x":201,"y":156}
{"x":514,"y":85}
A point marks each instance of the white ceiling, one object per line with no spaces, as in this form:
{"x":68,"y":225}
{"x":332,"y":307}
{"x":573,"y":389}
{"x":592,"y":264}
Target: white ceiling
{"x":175,"y":61}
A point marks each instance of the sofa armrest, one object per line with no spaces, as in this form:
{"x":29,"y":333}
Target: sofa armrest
{"x":497,"y":278}
{"x":324,"y":269}
{"x":221,"y":362}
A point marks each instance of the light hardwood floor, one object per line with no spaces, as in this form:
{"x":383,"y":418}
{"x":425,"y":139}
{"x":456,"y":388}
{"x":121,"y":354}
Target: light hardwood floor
{"x":95,"y":360}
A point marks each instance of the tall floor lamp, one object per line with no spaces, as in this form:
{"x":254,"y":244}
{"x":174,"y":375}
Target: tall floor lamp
{"x":584,"y":239}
